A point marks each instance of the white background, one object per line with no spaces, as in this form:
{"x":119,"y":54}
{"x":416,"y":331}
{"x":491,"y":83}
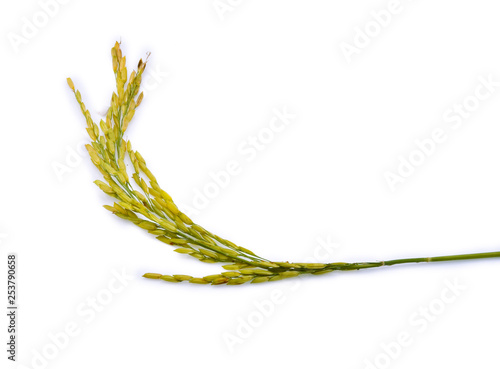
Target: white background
{"x":214,"y":81}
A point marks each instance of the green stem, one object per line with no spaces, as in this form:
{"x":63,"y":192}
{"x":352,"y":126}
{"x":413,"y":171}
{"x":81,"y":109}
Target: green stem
{"x":375,"y":264}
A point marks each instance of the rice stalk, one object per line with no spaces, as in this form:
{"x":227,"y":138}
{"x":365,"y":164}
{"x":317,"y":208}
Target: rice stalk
{"x":144,"y":203}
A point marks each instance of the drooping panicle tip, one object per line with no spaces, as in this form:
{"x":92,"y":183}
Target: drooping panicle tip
{"x":70,"y":84}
